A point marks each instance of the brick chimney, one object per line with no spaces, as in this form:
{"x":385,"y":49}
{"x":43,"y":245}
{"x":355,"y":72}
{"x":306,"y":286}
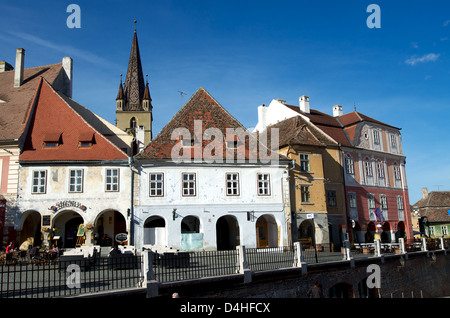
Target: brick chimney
{"x":18,"y":73}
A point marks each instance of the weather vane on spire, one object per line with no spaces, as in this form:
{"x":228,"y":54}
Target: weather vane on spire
{"x":135,"y":21}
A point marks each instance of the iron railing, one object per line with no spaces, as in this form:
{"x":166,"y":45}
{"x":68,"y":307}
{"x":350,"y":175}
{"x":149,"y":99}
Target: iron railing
{"x":42,"y":279}
{"x":169,"y":267}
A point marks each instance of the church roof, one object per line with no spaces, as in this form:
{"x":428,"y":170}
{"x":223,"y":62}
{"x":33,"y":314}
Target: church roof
{"x":134,"y":86}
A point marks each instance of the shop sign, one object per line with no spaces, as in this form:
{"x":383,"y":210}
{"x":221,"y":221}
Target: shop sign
{"x":122,"y":237}
{"x":67,"y":204}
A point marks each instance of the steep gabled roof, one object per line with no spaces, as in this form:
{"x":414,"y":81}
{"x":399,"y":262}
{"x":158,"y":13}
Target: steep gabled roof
{"x":328,"y":124}
{"x":342,"y":128}
{"x":298,"y":131}
{"x":200,"y":107}
{"x":435,"y":206}
{"x":355,"y":117}
{"x":55,"y":117}
{"x":15,"y":101}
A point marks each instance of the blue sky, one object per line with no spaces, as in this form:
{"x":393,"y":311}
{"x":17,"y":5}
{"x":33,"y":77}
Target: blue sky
{"x":246,"y":53}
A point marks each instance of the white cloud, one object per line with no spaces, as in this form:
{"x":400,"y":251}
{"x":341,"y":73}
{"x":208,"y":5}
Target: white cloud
{"x":430,"y":57}
{"x":65,"y":49}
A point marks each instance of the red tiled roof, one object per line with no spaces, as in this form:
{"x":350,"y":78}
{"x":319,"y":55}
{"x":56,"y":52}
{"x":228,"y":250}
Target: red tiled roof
{"x":298,"y":131}
{"x":342,"y":129}
{"x":54,"y":116}
{"x":17,"y":100}
{"x":201,"y":106}
{"x":435,"y":206}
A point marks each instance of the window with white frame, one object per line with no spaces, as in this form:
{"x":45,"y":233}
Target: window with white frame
{"x":263,"y":184}
{"x":76,"y":180}
{"x":112,"y":180}
{"x":393,"y":141}
{"x":156,"y":184}
{"x":400,"y":208}
{"x":376,"y":137}
{"x":444,"y":230}
{"x":371,"y":205}
{"x":431,"y":231}
{"x":384,"y":206}
{"x":305,"y":194}
{"x":304,"y":162}
{"x":39,"y":185}
{"x":368,"y":167}
{"x":380,"y":169}
{"x":189,"y":184}
{"x":397,"y":175}
{"x":349,"y":165}
{"x":232,"y":183}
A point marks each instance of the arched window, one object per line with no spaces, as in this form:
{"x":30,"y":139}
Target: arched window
{"x":133,"y":123}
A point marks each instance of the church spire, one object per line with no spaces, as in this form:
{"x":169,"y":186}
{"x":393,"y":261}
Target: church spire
{"x":134,"y":83}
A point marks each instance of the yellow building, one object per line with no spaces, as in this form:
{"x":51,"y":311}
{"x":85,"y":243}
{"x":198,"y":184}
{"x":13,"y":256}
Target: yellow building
{"x":317,"y":189}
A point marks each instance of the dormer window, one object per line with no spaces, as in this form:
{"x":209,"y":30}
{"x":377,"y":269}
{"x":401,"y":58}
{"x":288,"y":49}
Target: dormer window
{"x":52,"y":140}
{"x":86,"y":140}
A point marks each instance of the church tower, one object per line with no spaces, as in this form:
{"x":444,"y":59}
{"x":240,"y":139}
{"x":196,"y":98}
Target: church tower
{"x":133,"y":102}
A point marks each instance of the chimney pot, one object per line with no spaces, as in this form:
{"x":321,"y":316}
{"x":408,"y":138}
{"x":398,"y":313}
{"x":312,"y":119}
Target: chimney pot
{"x":18,"y":74}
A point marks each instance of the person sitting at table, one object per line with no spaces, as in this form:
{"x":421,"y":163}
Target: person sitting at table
{"x":9,"y":252}
{"x":34,"y":252}
{"x":9,"y":248}
{"x":115,"y":250}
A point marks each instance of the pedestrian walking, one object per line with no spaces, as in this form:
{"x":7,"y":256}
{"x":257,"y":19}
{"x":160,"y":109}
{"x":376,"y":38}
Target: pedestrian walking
{"x":315,"y":291}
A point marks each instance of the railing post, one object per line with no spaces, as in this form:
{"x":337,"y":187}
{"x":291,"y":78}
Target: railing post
{"x":243,"y":265}
{"x":424,"y":244}
{"x":377,"y":245}
{"x":149,"y":282}
{"x":402,"y":245}
{"x":299,"y":260}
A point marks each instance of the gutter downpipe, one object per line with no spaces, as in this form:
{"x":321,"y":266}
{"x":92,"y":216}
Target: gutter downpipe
{"x":130,"y":164}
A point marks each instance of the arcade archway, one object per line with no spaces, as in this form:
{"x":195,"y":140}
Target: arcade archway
{"x":227,"y":233}
{"x":266,"y":232}
{"x":155,"y":231}
{"x":66,"y":225}
{"x":109,"y":223}
{"x":31,"y":228}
